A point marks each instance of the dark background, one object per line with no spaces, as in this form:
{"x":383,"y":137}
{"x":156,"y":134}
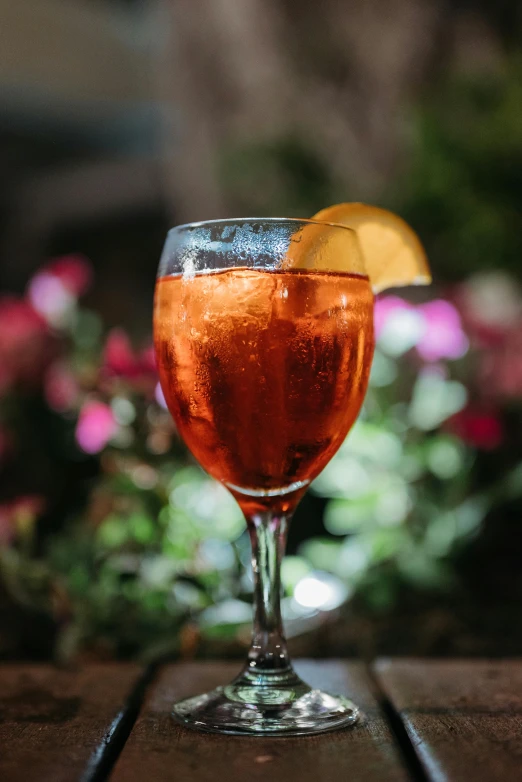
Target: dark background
{"x":119,"y":119}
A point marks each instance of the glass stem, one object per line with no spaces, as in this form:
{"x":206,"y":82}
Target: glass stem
{"x":268,"y":652}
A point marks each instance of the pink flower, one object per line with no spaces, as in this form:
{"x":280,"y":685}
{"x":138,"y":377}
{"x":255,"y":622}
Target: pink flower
{"x":385,"y":307}
{"x":60,"y":387}
{"x":17,"y":514}
{"x":50,"y":298}
{"x":480,"y":427}
{"x":398,"y":325}
{"x":96,"y":426}
{"x":434,"y":329}
{"x":119,"y":357}
{"x":491,"y":307}
{"x":54,"y":290}
{"x":26,"y":344}
{"x":120,"y":360}
{"x":443,"y":336}
{"x":73,"y":271}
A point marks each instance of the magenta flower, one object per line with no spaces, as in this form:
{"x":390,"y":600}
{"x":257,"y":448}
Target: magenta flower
{"x":73,"y":271}
{"x":96,"y":426}
{"x":480,"y":427}
{"x":119,"y":357}
{"x":385,"y":308}
{"x":434,"y":329}
{"x":443,"y":336}
{"x":120,"y":360}
{"x":399,"y":325}
{"x":50,"y":298}
{"x":26,"y":345}
{"x":54,"y":290}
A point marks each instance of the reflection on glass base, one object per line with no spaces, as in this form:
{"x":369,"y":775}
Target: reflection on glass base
{"x":290,"y":708}
{"x":281,"y":491}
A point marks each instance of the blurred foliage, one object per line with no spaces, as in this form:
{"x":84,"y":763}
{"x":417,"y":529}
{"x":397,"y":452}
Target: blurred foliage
{"x":460,"y":183}
{"x":114,"y":543}
{"x":463,"y":184}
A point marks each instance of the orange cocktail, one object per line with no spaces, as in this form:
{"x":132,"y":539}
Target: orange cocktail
{"x":264,"y":372}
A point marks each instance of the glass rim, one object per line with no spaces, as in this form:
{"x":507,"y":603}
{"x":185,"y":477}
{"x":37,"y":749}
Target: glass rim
{"x":268,"y":220}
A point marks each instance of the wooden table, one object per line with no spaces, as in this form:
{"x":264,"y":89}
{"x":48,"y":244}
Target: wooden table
{"x":422,"y":720}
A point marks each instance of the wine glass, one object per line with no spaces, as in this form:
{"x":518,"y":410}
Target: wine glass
{"x":263,"y":331}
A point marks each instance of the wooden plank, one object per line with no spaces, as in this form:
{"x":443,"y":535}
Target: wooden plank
{"x":464,"y":718}
{"x":160,"y":749}
{"x":61,"y":725}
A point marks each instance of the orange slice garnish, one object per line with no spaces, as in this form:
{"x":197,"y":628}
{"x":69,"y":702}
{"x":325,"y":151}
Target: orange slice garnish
{"x":320,"y":247}
{"x":392,"y":251}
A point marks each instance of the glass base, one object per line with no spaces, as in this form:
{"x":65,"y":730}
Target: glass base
{"x":275,"y":704}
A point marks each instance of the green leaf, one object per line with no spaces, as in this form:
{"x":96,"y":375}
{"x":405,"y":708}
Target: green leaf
{"x":113,"y":532}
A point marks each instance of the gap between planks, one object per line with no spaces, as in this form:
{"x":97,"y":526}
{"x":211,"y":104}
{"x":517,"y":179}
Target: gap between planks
{"x":398,"y":729}
{"x":157,"y":746}
{"x":105,"y":756}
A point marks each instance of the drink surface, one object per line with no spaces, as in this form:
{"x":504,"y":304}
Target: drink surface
{"x":264,"y":372}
